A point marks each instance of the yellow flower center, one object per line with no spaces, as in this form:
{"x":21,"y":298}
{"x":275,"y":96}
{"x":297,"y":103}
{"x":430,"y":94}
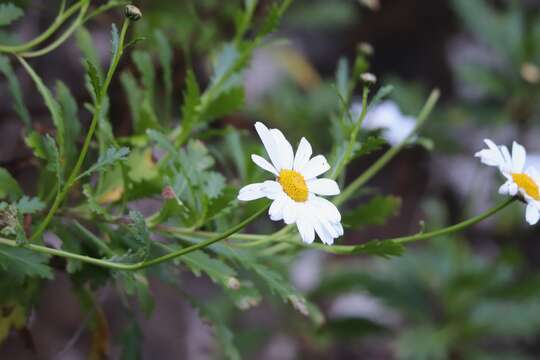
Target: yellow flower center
{"x":294,"y":185}
{"x":527,"y":184}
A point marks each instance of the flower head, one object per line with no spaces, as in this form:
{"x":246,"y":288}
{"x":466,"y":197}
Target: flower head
{"x":387,"y":116}
{"x":519,"y":181}
{"x":296,"y":188}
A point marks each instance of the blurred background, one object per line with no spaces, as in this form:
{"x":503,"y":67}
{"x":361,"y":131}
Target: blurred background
{"x":475,"y":295}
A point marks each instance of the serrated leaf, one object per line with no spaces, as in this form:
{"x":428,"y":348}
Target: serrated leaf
{"x":192,"y":99}
{"x":200,"y":262}
{"x":110,"y":157}
{"x":161,"y":141}
{"x":54,"y":164}
{"x":134,"y":96}
{"x":375,"y":212}
{"x":27,"y":205}
{"x":93,"y":203}
{"x":89,"y":51}
{"x":70,"y":120}
{"x":165,"y":53}
{"x":213,"y":184}
{"x":95,"y":79}
{"x":15,"y":90}
{"x":20,"y":263}
{"x":9,"y":13}
{"x":273,"y":17}
{"x":9,"y":188}
{"x":139,"y":233}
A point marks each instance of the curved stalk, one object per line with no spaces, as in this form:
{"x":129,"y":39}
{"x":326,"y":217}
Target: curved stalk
{"x":358,"y":249}
{"x":143,"y":264}
{"x":62,"y":38}
{"x":60,"y":19}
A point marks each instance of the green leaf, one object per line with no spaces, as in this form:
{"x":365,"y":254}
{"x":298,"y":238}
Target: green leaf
{"x":271,"y":21}
{"x":89,"y":51}
{"x":200,"y":262}
{"x":131,"y":339}
{"x":110,"y":157}
{"x":70,"y":120}
{"x":134,"y":96}
{"x":93,"y":204}
{"x":115,"y":40}
{"x":165,"y":53}
{"x":20,"y":262}
{"x":161,"y":141}
{"x":52,"y":105}
{"x":192,"y":99}
{"x":342,"y":79}
{"x":95,"y":79}
{"x":15,"y":90}
{"x":9,"y":13}
{"x":53,"y":157}
{"x":144,"y":65}
{"x":213,"y":184}
{"x":226,"y":103}
{"x":375,"y":212}
{"x":9,"y":188}
{"x":139,"y":233}
{"x":236,"y":150}
{"x":369,"y":145}
{"x":381,"y":94}
{"x":27,"y":205}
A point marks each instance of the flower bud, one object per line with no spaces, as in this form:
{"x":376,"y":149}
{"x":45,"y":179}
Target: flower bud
{"x":233,"y":283}
{"x":168,"y":193}
{"x":365,"y":48}
{"x":530,"y":73}
{"x":368,"y":78}
{"x":132,"y":12}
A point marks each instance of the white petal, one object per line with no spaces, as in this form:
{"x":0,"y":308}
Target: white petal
{"x":285,"y":149}
{"x":315,"y":167}
{"x":323,"y":187}
{"x":251,"y":192}
{"x":532,"y":214}
{"x":513,"y":189}
{"x":491,"y":156}
{"x":324,"y":235}
{"x":505,"y":188}
{"x":519,"y":156}
{"x":305,"y":228}
{"x":329,"y":209}
{"x":534,"y":174}
{"x":339,"y":228}
{"x":262,"y":163}
{"x":269,"y":144}
{"x":276,"y":209}
{"x":290,"y":211}
{"x":507,"y":165}
{"x":271,"y":189}
{"x":303,"y":153}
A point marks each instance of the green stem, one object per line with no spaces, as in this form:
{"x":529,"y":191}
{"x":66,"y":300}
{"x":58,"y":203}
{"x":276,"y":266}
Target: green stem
{"x":340,"y":167}
{"x":60,"y":40}
{"x":93,"y":125}
{"x":140,"y":265}
{"x":389,"y":155}
{"x":358,"y":249}
{"x":60,"y":19}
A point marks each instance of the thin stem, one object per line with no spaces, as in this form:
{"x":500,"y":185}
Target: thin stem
{"x":93,"y":125}
{"x":358,"y":249}
{"x":60,"y":19}
{"x":389,"y":155}
{"x":60,"y":40}
{"x":143,"y":264}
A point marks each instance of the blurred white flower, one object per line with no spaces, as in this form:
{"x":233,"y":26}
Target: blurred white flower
{"x":294,"y":192}
{"x":386,"y":116}
{"x":518,"y":180}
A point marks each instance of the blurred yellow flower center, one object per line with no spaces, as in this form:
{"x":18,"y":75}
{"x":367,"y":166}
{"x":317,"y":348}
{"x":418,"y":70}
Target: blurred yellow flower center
{"x":294,"y":185}
{"x":527,"y":184}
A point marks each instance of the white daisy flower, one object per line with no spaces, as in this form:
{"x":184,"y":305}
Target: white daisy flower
{"x":387,"y":116}
{"x":296,"y":188}
{"x":526,"y":183}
